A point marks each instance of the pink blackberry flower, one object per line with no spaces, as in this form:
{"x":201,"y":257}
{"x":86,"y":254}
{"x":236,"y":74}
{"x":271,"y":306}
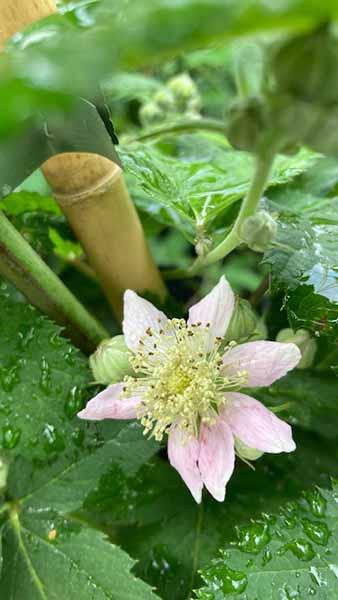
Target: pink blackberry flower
{"x":188,"y":384}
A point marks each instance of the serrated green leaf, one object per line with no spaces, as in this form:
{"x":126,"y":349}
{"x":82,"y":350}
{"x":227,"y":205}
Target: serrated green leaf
{"x":304,"y":264}
{"x":194,"y":191}
{"x":48,"y":558}
{"x":154,"y":518}
{"x":43,"y":383}
{"x":289,"y":555}
{"x":63,"y":484}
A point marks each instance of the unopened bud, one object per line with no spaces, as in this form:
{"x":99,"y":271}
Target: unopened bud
{"x":261,"y":331}
{"x":245,"y":452}
{"x":246,"y":124}
{"x":243,"y":322}
{"x":185,"y":91}
{"x":258,"y":231}
{"x":151,"y":113}
{"x":164,"y":98}
{"x":110,"y":361}
{"x":306,"y":344}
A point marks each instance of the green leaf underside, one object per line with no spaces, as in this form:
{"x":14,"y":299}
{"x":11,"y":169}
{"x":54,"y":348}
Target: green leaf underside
{"x":292,"y":554}
{"x":154,"y":518}
{"x":190,"y":192}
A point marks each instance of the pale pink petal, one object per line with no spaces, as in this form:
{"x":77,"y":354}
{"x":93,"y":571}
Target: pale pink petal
{"x":139,"y":315}
{"x":216,"y":308}
{"x":109,"y":405}
{"x":256,"y":426}
{"x":217,"y":458}
{"x":264,"y":362}
{"x":183,"y":456}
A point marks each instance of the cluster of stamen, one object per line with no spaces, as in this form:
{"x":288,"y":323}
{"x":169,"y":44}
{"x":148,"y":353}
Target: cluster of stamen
{"x":179,"y":378}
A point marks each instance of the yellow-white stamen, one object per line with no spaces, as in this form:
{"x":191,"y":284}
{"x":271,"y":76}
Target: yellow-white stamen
{"x":178,"y":380}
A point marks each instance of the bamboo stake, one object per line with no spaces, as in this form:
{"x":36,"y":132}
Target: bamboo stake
{"x":92,"y":193}
{"x":16,"y":14}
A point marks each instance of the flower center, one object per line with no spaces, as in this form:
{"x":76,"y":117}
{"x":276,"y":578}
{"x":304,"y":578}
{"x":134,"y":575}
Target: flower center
{"x":179,"y":379}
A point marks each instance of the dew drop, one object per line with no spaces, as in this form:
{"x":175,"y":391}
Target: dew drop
{"x":316,"y":577}
{"x":300,"y":548}
{"x":45,"y":378}
{"x":267,"y":556}
{"x":9,"y":377}
{"x":316,"y":502}
{"x":26,"y":335}
{"x":253,"y":538}
{"x":74,"y":402}
{"x":10,"y":437}
{"x":227,"y":580}
{"x":53,"y":440}
{"x":317,"y":532}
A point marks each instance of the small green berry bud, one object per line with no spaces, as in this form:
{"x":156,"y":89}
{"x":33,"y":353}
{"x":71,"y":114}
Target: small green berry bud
{"x":243,"y":322}
{"x":164,"y":98}
{"x":246,"y":123}
{"x":243,"y":451}
{"x":260,"y":333}
{"x":110,"y":361}
{"x":151,"y":113}
{"x":306,"y":344}
{"x":258,"y":231}
{"x":185,"y":92}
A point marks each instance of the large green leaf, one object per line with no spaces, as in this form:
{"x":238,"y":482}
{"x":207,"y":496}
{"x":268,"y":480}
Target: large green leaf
{"x":43,"y":383}
{"x":191,"y":190}
{"x":154,"y":518}
{"x":47,"y":557}
{"x":50,"y":552}
{"x":292,"y":554}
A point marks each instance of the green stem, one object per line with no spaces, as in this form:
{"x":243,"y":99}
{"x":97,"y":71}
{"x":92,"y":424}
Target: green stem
{"x":196,"y":548}
{"x":183,"y":126}
{"x":248,"y":207}
{"x":23,"y":267}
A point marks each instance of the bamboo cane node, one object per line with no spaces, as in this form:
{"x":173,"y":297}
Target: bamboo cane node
{"x":100,"y":188}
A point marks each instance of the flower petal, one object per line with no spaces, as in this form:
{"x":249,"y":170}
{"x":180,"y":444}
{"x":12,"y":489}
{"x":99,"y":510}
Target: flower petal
{"x":264,"y":362}
{"x":109,"y":405}
{"x":139,"y":315}
{"x":217,"y":458}
{"x":256,"y":426}
{"x":216,"y":308}
{"x":183,"y":456}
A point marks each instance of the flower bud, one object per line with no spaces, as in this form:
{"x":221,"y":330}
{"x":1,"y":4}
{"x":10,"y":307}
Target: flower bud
{"x":165,"y":100}
{"x":243,"y":322}
{"x":246,"y":124}
{"x":258,"y":231}
{"x":260,"y":333}
{"x":185,"y":92}
{"x":150,"y":113}
{"x":243,"y":451}
{"x":110,"y":361}
{"x":306,"y":344}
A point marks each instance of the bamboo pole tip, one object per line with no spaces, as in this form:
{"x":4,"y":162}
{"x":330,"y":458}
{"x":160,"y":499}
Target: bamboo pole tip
{"x":77,"y":175}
